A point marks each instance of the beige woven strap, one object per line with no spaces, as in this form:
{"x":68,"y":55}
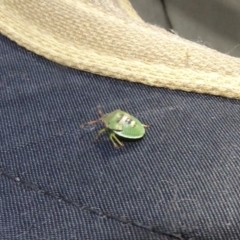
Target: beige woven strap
{"x":107,"y":37}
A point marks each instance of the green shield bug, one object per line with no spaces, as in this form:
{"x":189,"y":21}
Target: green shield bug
{"x":120,"y":123}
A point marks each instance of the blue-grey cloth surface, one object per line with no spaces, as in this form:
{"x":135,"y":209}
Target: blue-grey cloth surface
{"x":181,"y":180}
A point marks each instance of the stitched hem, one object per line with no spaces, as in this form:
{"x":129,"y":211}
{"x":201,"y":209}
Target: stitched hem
{"x":87,"y":208}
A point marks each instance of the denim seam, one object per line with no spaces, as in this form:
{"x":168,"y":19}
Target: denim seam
{"x":87,"y":208}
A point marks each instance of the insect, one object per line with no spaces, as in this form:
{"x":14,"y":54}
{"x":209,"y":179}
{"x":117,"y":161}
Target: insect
{"x":120,"y":123}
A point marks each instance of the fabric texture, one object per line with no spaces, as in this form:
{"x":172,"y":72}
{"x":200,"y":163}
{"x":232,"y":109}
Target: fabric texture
{"x":181,"y":181}
{"x":108,"y":38}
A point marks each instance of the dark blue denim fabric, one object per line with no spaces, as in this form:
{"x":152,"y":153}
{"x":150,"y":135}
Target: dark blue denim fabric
{"x":182,"y":178}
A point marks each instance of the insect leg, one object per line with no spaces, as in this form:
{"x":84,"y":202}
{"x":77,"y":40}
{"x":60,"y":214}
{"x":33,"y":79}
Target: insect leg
{"x":113,"y":137}
{"x":99,"y":133}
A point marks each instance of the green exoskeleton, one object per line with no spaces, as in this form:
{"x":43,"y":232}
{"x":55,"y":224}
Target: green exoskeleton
{"x":120,"y":123}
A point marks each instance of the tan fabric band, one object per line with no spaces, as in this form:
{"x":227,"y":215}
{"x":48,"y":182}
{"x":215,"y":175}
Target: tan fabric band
{"x":107,"y":37}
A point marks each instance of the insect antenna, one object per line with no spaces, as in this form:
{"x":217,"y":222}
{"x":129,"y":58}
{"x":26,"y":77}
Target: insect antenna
{"x":100,"y":111}
{"x":94,"y":121}
{"x":91,"y":122}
